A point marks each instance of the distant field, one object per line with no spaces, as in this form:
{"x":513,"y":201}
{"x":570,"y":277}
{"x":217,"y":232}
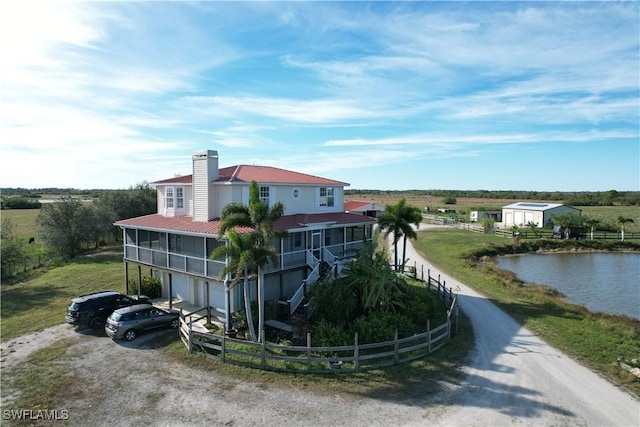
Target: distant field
{"x":465,"y":204}
{"x":24,"y":221}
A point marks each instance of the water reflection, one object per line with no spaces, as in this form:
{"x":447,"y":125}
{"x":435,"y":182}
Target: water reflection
{"x":607,"y":282}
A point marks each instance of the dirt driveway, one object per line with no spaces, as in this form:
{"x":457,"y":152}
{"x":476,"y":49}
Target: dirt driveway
{"x":514,"y":379}
{"x":130,"y":384}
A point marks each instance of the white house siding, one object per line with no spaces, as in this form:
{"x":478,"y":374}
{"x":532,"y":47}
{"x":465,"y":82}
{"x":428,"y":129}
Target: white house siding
{"x":223,"y":195}
{"x":216,"y":294}
{"x":160,"y":198}
{"x":180,"y":286}
{"x":283,"y":284}
{"x":188,"y":200}
{"x":304,"y":203}
{"x":205,"y":171}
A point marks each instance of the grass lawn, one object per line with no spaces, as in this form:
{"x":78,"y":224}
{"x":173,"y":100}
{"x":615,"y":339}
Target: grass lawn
{"x":595,"y":340}
{"x":42,"y":302}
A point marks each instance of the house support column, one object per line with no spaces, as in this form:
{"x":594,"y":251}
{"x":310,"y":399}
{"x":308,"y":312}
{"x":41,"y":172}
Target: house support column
{"x":208,"y":302}
{"x":170,"y":291}
{"x":139,"y":280}
{"x":227,"y":302}
{"x":126,"y":278}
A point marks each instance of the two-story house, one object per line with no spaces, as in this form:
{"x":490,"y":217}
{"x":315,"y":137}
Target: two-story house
{"x":175,"y":243}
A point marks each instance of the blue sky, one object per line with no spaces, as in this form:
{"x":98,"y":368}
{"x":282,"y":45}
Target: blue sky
{"x":409,"y":95}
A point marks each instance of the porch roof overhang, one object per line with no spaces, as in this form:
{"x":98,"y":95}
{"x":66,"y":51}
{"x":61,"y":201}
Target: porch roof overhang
{"x":177,"y":224}
{"x":297,"y":222}
{"x":302,"y":222}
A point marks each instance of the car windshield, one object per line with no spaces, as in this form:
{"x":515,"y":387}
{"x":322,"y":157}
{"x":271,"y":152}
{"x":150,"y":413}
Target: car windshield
{"x":75,"y":306}
{"x":116,"y":317}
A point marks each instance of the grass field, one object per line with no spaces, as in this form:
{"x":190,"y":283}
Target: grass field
{"x":42,"y":302}
{"x":465,"y":204}
{"x":23,"y":220}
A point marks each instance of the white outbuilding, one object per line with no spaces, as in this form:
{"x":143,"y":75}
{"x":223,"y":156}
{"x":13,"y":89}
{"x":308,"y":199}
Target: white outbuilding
{"x":522,"y":213}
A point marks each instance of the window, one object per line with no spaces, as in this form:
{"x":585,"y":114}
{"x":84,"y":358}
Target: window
{"x":168,"y":198}
{"x":326,"y":196}
{"x":174,"y":198}
{"x":295,"y":193}
{"x":179,"y":197}
{"x":264,"y":195}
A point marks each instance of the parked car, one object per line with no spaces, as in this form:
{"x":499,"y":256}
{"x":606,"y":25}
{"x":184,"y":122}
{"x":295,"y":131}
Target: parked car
{"x":128,"y":322}
{"x":93,"y":309}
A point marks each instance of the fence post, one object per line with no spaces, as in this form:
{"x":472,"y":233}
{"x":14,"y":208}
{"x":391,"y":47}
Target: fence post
{"x":429,"y":335}
{"x":190,"y":337}
{"x":223,"y":344}
{"x":457,"y":307}
{"x":263,"y":361}
{"x":396,"y":348}
{"x":356,"y":352}
{"x":308,"y":351}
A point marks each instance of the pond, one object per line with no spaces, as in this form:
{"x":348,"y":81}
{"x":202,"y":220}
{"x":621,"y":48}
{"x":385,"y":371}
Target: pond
{"x":606,"y":282}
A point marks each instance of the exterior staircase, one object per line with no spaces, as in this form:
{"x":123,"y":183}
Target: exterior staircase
{"x":320,"y":269}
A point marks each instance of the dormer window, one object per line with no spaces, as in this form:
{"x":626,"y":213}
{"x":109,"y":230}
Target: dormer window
{"x":168,"y":198}
{"x":326,"y":196}
{"x":180,"y":198}
{"x":174,"y":198}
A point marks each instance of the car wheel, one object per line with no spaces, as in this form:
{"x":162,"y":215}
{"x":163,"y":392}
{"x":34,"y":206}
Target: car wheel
{"x":174,"y":324}
{"x":95,"y":322}
{"x":130,"y":335}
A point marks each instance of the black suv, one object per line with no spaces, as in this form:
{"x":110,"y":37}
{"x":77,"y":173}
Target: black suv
{"x":93,"y":309}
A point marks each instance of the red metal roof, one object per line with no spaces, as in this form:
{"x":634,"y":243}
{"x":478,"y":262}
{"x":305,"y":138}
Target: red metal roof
{"x":260,"y":174}
{"x":301,"y":220}
{"x":354,"y":204}
{"x":186,"y":224}
{"x":172,"y":223}
{"x":184,"y":179}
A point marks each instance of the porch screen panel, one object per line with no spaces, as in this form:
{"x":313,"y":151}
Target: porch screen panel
{"x":214,"y":268}
{"x":131,"y":236}
{"x":145,"y":255}
{"x":160,"y":258}
{"x":193,"y":246}
{"x":131,"y":253}
{"x":177,"y":262}
{"x":195,"y":265}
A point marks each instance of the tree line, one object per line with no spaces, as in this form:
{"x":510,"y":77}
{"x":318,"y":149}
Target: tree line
{"x":70,"y":226}
{"x":572,"y":198}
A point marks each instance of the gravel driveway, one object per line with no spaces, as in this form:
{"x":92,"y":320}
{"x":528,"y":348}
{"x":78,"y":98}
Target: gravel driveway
{"x":514,"y":379}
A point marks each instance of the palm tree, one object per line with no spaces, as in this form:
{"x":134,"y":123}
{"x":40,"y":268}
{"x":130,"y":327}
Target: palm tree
{"x":591,"y":223}
{"x":376,"y":283}
{"x":240,"y":258}
{"x":622,"y":221}
{"x":257,"y":220}
{"x":398,"y":220}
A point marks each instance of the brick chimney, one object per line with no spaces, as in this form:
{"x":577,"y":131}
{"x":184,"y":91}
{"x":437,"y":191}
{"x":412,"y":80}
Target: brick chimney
{"x":205,"y":171}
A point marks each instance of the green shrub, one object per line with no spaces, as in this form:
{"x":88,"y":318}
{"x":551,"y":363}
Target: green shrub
{"x":151,"y":287}
{"x":327,"y":335}
{"x":381,"y":326}
{"x":419,"y":307}
{"x":335,"y":301}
